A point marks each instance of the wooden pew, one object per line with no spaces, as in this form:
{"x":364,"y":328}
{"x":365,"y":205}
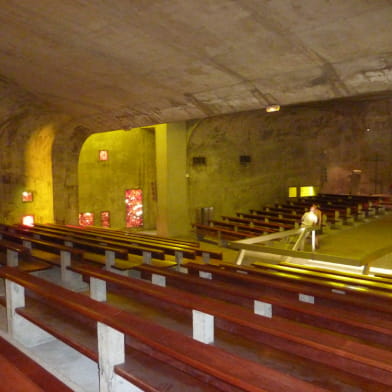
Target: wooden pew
{"x":335,"y":213}
{"x":352,"y":279}
{"x":59,"y":255}
{"x":177,"y":360}
{"x":151,"y":246}
{"x":127,"y":234}
{"x":19,"y":255}
{"x":331,"y":294}
{"x":369,"y":329}
{"x":73,"y":240}
{"x":21,"y":374}
{"x":220,"y":234}
{"x":378,"y":277}
{"x":271,"y":217}
{"x":273,"y":222}
{"x":242,"y":228}
{"x":230,"y":316}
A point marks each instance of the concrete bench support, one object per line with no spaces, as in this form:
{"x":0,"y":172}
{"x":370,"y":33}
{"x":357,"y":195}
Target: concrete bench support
{"x":309,"y":299}
{"x":19,"y":328}
{"x":203,"y":327}
{"x":27,"y":244}
{"x":263,"y":308}
{"x":110,"y":352}
{"x":159,"y":280}
{"x":205,"y":275}
{"x":179,"y":257}
{"x":147,"y":257}
{"x":206,"y":257}
{"x":110,"y":258}
{"x":12,"y":258}
{"x":70,"y":279}
{"x":98,"y":289}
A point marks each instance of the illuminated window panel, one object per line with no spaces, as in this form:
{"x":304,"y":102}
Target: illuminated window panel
{"x":28,"y":220}
{"x":27,"y":196}
{"x":307,"y":191}
{"x":103,"y":155}
{"x":86,"y":219}
{"x":105,"y":219}
{"x":134,"y":207}
{"x":293,"y":191}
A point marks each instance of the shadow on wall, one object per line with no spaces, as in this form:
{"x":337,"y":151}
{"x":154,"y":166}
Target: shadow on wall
{"x":339,"y":180}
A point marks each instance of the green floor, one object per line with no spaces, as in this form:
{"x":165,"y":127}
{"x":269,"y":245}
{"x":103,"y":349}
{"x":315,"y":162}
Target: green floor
{"x":353,"y":242}
{"x":359,"y":240}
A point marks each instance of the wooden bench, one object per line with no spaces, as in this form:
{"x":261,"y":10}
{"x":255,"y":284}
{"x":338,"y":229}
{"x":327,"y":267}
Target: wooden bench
{"x":277,"y":223}
{"x":330,"y":294}
{"x":377,"y":277}
{"x":242,"y":228}
{"x":371,"y":329}
{"x":318,"y":273}
{"x":19,"y":255}
{"x":228,"y":317}
{"x":276,"y":220}
{"x":177,"y":360}
{"x":148,"y":254}
{"x":127,"y":234}
{"x":150,"y":245}
{"x":220,"y":234}
{"x":21,"y":374}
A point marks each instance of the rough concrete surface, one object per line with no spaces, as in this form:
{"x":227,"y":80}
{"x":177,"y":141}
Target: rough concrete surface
{"x":141,"y":63}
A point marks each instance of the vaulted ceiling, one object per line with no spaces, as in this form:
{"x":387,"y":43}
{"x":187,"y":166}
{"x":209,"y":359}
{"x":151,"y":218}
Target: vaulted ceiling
{"x":141,"y":62}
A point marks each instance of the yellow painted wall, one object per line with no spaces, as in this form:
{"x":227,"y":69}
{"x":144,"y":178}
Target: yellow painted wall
{"x":130,"y":164}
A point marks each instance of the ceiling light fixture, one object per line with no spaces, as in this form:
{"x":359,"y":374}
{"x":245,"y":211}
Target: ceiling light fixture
{"x":272,"y":108}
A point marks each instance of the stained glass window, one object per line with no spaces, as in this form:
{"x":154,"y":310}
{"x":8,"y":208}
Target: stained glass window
{"x":103,"y":155}
{"x":28,"y":220}
{"x":134,"y":207}
{"x":86,"y":219}
{"x":105,"y":218}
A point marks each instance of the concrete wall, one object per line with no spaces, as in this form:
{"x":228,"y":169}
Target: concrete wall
{"x":319,"y":145}
{"x":27,"y":134}
{"x":130,"y":165}
{"x":315,"y":145}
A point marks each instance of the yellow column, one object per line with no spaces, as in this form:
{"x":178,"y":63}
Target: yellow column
{"x":172,"y":217}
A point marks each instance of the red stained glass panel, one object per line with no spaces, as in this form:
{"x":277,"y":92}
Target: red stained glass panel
{"x":134,"y":207}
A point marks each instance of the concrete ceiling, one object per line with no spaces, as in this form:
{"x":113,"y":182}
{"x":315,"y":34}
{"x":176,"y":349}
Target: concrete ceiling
{"x":141,"y":62}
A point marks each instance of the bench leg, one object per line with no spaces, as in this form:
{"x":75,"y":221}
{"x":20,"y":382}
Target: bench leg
{"x":205,"y":275}
{"x":309,"y":299}
{"x":147,"y":257}
{"x":179,"y":257}
{"x":110,"y":258}
{"x":70,"y":279}
{"x":203,"y":327}
{"x":206,"y":257}
{"x":12,"y":258}
{"x":263,"y":308}
{"x":110,"y":352}
{"x":158,"y":280}
{"x":19,"y":328}
{"x":97,"y":289}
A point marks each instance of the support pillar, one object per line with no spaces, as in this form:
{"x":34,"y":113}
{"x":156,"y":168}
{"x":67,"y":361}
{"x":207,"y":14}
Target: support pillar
{"x":19,"y":328}
{"x":110,"y":352}
{"x":173,"y":218}
{"x":203,"y":327}
{"x":110,"y":258}
{"x":12,"y":258}
{"x":98,"y":289}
